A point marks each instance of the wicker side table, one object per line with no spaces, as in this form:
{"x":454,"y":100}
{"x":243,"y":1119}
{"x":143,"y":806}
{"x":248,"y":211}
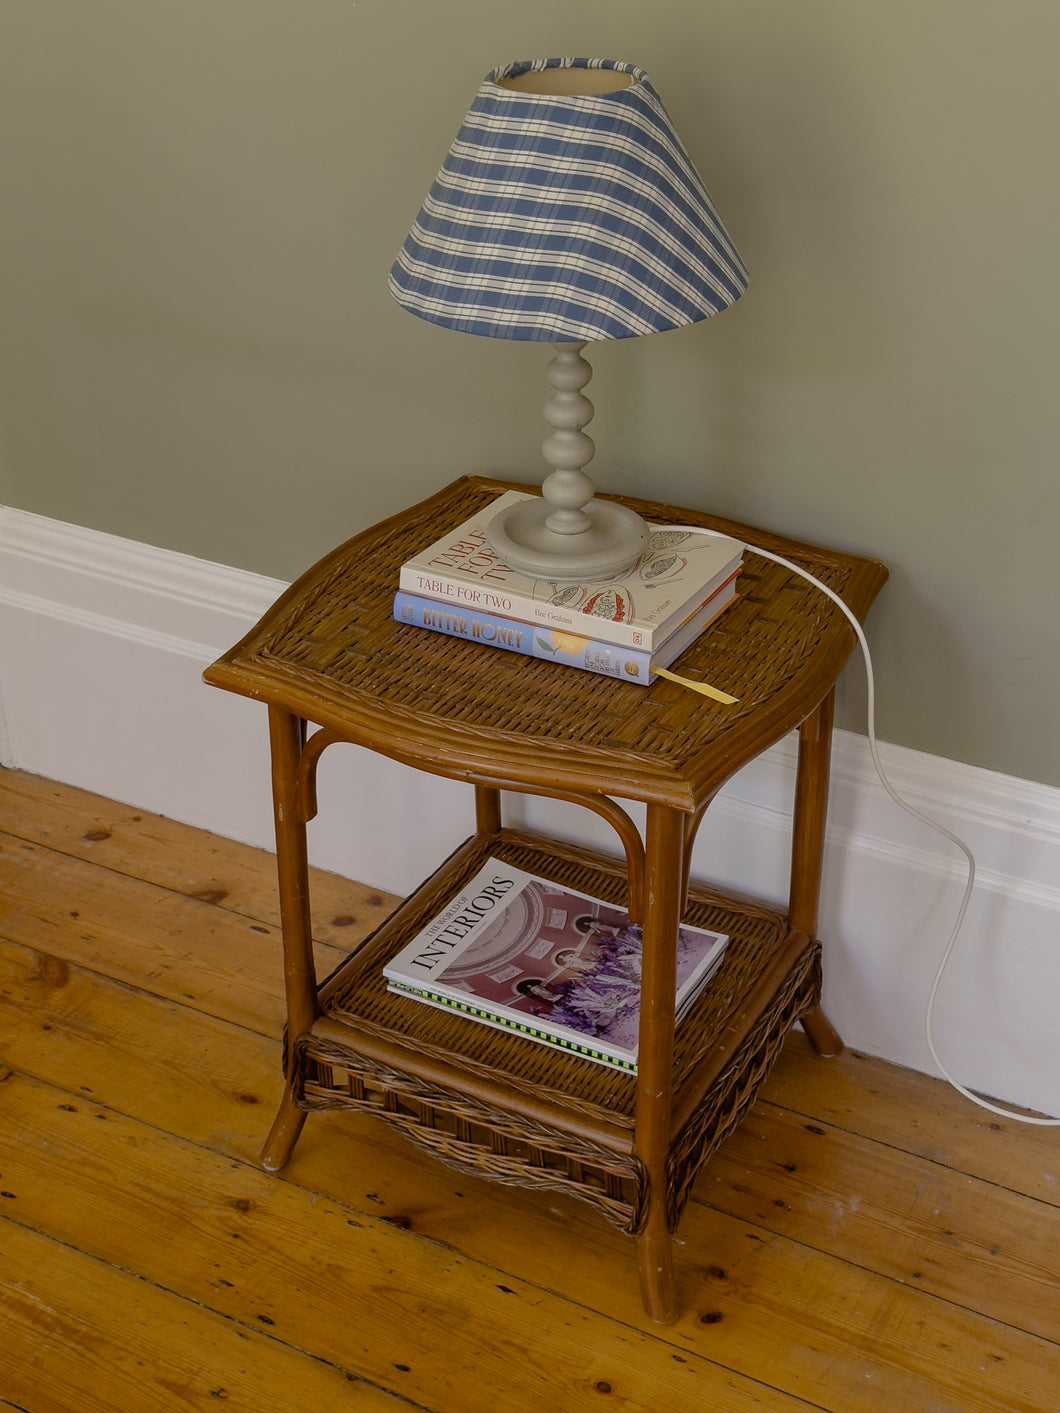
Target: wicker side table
{"x":491,"y":1102}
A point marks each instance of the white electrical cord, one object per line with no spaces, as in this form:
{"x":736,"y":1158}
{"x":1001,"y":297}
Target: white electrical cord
{"x":909,"y":809}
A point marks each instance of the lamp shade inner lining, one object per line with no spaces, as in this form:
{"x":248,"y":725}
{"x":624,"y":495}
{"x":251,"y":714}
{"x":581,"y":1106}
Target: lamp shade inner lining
{"x":568,"y":82}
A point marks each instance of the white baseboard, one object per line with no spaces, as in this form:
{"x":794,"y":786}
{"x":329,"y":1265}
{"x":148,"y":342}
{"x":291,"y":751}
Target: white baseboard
{"x":104,"y":641}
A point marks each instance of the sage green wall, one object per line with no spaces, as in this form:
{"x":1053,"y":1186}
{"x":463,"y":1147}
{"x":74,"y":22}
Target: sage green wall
{"x":202,"y":199}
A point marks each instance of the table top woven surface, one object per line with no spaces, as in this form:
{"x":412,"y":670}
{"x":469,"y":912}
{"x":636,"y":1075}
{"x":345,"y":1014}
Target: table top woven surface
{"x":330,"y":651}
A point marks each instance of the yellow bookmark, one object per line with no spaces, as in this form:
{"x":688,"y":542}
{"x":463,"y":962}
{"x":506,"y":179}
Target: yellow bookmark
{"x":711,"y":692}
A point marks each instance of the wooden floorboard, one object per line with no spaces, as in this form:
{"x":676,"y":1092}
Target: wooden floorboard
{"x":866,"y":1241}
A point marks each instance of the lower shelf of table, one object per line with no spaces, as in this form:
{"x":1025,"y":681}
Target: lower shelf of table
{"x":511,"y":1109}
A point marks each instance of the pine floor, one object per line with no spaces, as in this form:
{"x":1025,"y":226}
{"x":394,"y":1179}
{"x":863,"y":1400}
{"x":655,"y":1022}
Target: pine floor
{"x":866,"y":1241}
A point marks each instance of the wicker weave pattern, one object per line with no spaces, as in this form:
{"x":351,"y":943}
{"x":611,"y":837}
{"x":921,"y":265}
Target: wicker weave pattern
{"x":493,"y":1142}
{"x":346,"y":644}
{"x":490,"y":1143}
{"x":359,"y":992}
{"x":483,"y":1141}
{"x":334,"y":641}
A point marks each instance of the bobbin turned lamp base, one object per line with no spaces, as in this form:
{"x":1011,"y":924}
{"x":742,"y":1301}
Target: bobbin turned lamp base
{"x":568,"y":534}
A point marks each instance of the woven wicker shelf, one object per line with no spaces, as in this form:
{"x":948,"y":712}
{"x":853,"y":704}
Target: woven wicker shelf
{"x":383,"y":1053}
{"x":483,"y":1100}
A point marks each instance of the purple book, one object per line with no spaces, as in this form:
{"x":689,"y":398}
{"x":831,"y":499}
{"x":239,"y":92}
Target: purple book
{"x":520,"y":953}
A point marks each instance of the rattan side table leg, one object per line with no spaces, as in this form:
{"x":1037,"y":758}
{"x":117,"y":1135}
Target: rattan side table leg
{"x":487,"y":809}
{"x":299,"y":972}
{"x":284,"y":1133}
{"x":807,"y":850}
{"x":664,"y":876}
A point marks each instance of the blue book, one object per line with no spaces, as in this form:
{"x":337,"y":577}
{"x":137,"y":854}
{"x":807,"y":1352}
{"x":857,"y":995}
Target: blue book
{"x":558,"y":644}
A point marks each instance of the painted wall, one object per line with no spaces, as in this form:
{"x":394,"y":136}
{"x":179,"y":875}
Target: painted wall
{"x":202,"y":199}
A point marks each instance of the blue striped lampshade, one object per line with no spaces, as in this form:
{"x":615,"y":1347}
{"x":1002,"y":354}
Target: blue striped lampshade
{"x":567,"y":215}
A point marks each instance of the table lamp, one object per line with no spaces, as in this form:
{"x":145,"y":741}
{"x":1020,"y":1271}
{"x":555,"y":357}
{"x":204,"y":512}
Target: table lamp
{"x":566,"y":211}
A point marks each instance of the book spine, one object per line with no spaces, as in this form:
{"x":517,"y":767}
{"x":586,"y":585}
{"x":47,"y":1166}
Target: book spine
{"x":531,"y":639}
{"x":487,"y":1016}
{"x":495,"y":599}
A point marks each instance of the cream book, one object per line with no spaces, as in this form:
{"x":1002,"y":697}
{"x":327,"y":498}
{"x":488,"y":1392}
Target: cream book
{"x":678,"y":572}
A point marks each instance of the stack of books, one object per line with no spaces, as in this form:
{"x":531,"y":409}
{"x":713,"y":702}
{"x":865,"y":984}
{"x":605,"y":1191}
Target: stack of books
{"x":522,"y":954}
{"x":622,"y":628}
